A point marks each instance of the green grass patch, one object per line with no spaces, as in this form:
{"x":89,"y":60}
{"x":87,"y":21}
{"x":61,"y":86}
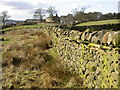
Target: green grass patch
{"x":24,"y":26}
{"x":113,"y":21}
{"x":5,"y":42}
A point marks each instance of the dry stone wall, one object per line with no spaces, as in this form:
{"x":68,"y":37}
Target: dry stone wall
{"x":98,"y":67}
{"x":96,"y":64}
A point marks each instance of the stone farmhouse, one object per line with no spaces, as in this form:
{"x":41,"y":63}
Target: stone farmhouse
{"x":53,"y":19}
{"x":69,"y":19}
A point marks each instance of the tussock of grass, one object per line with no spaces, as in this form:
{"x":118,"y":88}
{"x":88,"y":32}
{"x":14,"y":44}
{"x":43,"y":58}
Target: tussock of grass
{"x":28,"y":49}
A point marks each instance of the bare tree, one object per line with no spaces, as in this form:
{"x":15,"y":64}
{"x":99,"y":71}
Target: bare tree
{"x":51,"y":11}
{"x":4,"y":16}
{"x":39,"y":14}
{"x":75,"y":11}
{"x":83,"y":9}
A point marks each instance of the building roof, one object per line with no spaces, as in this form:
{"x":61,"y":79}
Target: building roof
{"x":53,"y":17}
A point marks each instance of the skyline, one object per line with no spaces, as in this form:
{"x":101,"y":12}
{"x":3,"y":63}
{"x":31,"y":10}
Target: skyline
{"x":24,"y":9}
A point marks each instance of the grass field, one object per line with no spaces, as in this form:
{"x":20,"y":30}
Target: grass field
{"x":113,"y":21}
{"x":36,"y":25}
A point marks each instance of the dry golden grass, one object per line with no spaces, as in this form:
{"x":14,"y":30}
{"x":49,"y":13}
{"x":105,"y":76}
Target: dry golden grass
{"x":31,"y":54}
{"x":24,"y":50}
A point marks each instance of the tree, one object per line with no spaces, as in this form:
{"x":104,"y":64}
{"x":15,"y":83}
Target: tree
{"x":117,"y":15}
{"x":75,"y":11}
{"x":4,"y":16}
{"x":79,"y":15}
{"x":51,"y":11}
{"x":39,"y":14}
{"x":108,"y":16}
{"x":94,"y":16}
{"x":83,"y":9}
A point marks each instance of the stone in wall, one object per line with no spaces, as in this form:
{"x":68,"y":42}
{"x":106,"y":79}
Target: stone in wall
{"x":89,"y":37}
{"x":95,"y":38}
{"x":106,"y":37}
{"x":85,"y":34}
{"x":100,"y":35}
{"x":111,"y":35}
{"x":116,"y":39}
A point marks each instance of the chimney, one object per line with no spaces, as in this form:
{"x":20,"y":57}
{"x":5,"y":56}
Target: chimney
{"x":56,"y":15}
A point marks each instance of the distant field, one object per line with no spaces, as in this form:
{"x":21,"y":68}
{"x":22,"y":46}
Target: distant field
{"x":36,"y":25}
{"x":114,"y":21}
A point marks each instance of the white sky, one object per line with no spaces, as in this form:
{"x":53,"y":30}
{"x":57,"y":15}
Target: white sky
{"x":24,"y":9}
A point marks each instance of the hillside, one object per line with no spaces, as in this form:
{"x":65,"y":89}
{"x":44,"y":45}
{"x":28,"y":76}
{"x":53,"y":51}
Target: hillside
{"x":52,"y":57}
{"x":103,"y":22}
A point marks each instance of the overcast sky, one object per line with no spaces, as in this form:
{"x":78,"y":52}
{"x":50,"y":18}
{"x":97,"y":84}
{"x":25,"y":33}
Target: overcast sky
{"x":24,"y":9}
